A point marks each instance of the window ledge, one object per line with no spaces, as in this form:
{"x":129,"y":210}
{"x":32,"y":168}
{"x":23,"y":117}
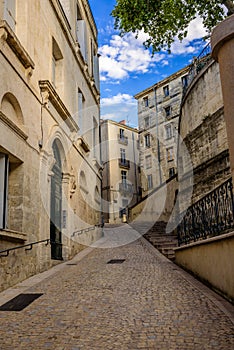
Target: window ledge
{"x":7,"y":34}
{"x":49,"y":94}
{"x":12,"y":236}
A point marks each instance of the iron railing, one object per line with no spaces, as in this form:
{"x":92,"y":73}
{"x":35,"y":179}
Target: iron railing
{"x":124,"y":163}
{"x":123,"y":139}
{"x":125,"y":188}
{"x":198,"y":63}
{"x":29,"y":246}
{"x":211,"y":216}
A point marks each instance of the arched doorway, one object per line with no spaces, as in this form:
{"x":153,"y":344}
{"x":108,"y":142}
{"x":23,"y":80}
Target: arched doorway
{"x":56,"y":206}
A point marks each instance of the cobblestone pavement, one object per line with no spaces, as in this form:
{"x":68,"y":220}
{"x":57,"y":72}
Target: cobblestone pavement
{"x":146,"y":302}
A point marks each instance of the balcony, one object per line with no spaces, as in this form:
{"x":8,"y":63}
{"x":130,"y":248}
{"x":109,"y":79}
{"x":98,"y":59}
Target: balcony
{"x":123,"y":140}
{"x":123,"y":163}
{"x":125,"y":189}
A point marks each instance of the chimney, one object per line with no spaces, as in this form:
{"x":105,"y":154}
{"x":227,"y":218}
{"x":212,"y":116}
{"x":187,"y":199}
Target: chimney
{"x":123,"y":122}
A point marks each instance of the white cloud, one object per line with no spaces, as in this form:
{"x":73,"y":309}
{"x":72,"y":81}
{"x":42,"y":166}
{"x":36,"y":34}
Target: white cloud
{"x":196,"y":31}
{"x":123,"y":105}
{"x":118,"y":99}
{"x":125,"y":55}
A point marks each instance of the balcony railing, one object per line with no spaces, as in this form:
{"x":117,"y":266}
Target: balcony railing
{"x":211,"y":216}
{"x":125,"y":188}
{"x":198,"y":63}
{"x":123,"y":139}
{"x":123,"y":163}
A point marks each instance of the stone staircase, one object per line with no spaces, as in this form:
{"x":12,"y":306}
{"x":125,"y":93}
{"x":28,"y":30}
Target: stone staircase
{"x":161,"y":240}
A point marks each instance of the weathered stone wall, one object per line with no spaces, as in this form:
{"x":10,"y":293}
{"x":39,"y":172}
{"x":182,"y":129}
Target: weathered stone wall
{"x":203,"y":130}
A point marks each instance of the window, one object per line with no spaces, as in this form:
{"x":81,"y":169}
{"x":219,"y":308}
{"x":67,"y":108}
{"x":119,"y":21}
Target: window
{"x":150,"y":181}
{"x":57,"y":65}
{"x":147,"y":122}
{"x":10,"y":13}
{"x":95,"y":129}
{"x":166,"y":90}
{"x":121,"y":133}
{"x":81,"y":107}
{"x":170,"y":154}
{"x":168,"y":131}
{"x":168,"y":111}
{"x":184,"y":81}
{"x":123,"y":155}
{"x":81,"y":35}
{"x":147,"y":140}
{"x":146,"y":101}
{"x":148,"y":162}
{"x":171,"y":172}
{"x":4,"y":170}
{"x":124,"y":177}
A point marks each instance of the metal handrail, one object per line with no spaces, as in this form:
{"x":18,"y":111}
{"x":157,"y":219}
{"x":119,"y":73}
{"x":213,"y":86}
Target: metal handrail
{"x":79,"y":232}
{"x":23,"y":246}
{"x":210,"y":216}
{"x":198,"y":63}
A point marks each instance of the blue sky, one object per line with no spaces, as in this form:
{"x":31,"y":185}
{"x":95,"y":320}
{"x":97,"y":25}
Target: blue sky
{"x":127,"y":68}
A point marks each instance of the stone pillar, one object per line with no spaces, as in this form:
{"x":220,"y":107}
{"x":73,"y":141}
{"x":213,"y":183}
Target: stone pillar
{"x":222,"y":43}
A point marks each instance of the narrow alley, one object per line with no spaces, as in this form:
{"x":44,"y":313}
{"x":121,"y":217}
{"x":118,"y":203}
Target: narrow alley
{"x":121,"y":294}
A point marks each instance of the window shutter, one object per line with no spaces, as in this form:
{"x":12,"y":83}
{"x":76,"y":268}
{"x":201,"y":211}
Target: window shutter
{"x":10,"y":13}
{"x":96,"y":71}
{"x":82,"y":38}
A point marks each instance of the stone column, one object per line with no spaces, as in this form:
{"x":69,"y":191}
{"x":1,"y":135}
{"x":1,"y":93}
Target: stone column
{"x":222,"y":43}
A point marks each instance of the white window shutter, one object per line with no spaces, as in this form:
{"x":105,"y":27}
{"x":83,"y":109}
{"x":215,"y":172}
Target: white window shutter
{"x":82,"y":37}
{"x":10,"y":13}
{"x":96,"y":71}
{"x":4,"y":166}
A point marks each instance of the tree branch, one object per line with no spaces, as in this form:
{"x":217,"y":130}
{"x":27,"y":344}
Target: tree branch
{"x":229,"y":5}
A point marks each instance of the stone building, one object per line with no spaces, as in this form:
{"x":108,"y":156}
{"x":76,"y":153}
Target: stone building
{"x":120,"y":156}
{"x":50,"y":181}
{"x":158,"y":115}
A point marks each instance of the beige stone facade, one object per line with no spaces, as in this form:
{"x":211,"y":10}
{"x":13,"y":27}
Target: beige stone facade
{"x":158,"y":114}
{"x":50,"y":180}
{"x":121,"y":182}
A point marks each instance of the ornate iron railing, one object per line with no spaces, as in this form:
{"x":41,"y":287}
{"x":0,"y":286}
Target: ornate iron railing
{"x":198,"y":63}
{"x":212,"y":215}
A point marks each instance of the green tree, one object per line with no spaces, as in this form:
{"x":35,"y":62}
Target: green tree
{"x":163,"y":20}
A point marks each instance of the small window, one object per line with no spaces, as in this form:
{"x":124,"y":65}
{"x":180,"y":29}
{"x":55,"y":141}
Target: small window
{"x":147,"y":122}
{"x":168,"y":111}
{"x":81,"y":108}
{"x":148,"y":162}
{"x":166,"y":90}
{"x":150,"y":181}
{"x":184,"y":81}
{"x":123,"y":155}
{"x":57,"y":65}
{"x":124,"y":177}
{"x":170,"y":154}
{"x":171,"y":172}
{"x":168,"y":129}
{"x":121,"y":133}
{"x":147,"y":140}
{"x":146,"y":101}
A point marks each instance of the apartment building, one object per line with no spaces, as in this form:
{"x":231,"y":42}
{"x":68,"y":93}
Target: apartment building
{"x":121,"y":181}
{"x":50,"y":180}
{"x":158,"y":115}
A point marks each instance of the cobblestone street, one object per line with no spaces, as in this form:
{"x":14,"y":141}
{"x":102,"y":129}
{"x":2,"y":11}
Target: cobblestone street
{"x":145,"y":302}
